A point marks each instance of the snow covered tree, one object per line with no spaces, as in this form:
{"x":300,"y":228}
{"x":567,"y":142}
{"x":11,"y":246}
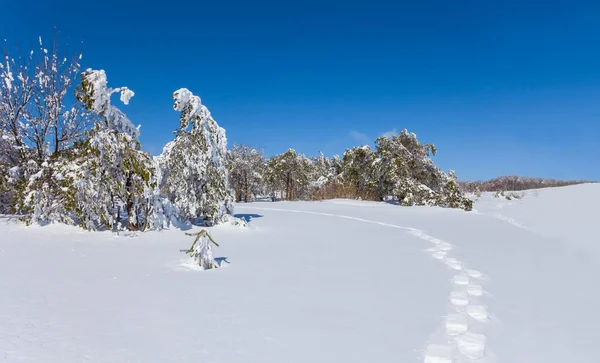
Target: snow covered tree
{"x":17,"y":87}
{"x":322,"y":168}
{"x":405,"y":170}
{"x":9,"y":159}
{"x":246,"y":168}
{"x":201,"y":250}
{"x":288,"y":175}
{"x":116,"y":171}
{"x":194,"y":170}
{"x":39,"y":118}
{"x":89,"y":181}
{"x":55,"y":119}
{"x":337,"y":165}
{"x":357,"y":171}
{"x":322,"y":176}
{"x":451,"y":196}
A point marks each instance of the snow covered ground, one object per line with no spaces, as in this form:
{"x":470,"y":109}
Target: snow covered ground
{"x":334,"y":281}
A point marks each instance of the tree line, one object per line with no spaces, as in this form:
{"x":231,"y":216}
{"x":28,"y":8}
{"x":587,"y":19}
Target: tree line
{"x":400,"y":170}
{"x":514,"y":183}
{"x":68,"y":154}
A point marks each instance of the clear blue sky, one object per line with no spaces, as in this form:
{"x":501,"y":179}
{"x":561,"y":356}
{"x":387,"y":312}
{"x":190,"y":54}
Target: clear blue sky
{"x":501,"y":87}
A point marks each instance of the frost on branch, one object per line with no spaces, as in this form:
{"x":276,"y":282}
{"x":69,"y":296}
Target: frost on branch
{"x":95,"y":94}
{"x":201,"y":250}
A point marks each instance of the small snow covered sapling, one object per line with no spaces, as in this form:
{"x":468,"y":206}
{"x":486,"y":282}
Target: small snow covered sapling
{"x":201,"y":250}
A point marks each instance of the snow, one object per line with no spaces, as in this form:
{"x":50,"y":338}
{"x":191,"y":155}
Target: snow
{"x":329,"y":281}
{"x":8,"y":79}
{"x":126,"y":95}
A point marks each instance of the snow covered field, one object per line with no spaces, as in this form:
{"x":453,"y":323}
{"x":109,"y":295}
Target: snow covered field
{"x":334,"y":281}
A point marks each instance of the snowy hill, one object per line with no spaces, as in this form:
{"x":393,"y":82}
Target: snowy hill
{"x":334,"y":281}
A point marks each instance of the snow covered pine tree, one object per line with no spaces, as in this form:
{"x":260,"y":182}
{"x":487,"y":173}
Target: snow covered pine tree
{"x":194,"y":172}
{"x":246,"y":168}
{"x":116,"y":172}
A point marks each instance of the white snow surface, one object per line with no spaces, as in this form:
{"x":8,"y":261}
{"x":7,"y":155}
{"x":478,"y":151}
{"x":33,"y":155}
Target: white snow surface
{"x":332,"y":281}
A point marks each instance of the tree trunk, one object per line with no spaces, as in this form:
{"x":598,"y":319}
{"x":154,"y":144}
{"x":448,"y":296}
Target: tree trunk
{"x":246,"y":188}
{"x":132,"y":225}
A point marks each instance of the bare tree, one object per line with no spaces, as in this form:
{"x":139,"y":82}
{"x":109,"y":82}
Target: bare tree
{"x":56,"y":118}
{"x":17,"y":87}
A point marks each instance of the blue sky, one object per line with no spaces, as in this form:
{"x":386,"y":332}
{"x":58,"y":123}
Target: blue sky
{"x":501,"y":87}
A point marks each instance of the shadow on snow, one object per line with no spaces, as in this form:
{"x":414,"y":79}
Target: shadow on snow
{"x":247,"y":216}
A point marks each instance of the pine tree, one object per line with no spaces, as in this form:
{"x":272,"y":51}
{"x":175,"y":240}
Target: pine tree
{"x":358,"y":171}
{"x":114,"y":172}
{"x":201,"y":250}
{"x":194,"y":172}
{"x":288,"y":175}
{"x":246,"y":168}
{"x":403,"y":169}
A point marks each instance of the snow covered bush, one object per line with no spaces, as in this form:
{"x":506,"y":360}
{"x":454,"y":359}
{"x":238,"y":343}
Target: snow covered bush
{"x":194,"y":172}
{"x":47,"y":193}
{"x":234,"y":221}
{"x":508,"y":196}
{"x":201,"y":250}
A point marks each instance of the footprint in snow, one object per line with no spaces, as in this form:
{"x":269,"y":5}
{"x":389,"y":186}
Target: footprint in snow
{"x":461,"y":280}
{"x":453,"y":263}
{"x":471,"y":345}
{"x":478,"y":312}
{"x":456,"y":324}
{"x":439,"y":353}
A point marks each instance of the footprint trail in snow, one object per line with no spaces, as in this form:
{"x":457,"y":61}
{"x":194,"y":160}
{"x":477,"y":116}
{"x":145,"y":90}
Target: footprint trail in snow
{"x":463,"y":339}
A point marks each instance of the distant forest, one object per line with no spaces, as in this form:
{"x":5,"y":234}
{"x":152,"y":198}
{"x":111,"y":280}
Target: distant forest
{"x":514,"y":183}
